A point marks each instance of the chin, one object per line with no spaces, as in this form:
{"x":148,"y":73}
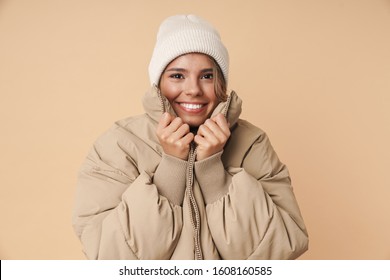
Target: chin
{"x":194,"y":124}
{"x":194,"y":120}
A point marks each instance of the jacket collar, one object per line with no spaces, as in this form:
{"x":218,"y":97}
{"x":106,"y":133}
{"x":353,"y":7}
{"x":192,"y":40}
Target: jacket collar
{"x":155,"y":104}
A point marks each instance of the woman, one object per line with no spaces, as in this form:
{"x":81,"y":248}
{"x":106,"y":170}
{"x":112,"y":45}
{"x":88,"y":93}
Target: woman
{"x":188,"y":179}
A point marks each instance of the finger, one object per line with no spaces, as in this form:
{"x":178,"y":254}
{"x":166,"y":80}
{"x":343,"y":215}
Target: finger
{"x":167,"y":127}
{"x":222,"y":122}
{"x":164,"y":121}
{"x":200,"y":141}
{"x":216,"y":130}
{"x":175,"y":124}
{"x":181,"y":131}
{"x":187,"y":139}
{"x":209,"y":135}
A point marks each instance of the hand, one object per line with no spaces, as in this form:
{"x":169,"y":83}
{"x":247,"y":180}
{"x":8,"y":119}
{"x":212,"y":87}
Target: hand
{"x":174,"y":136}
{"x":212,"y":136}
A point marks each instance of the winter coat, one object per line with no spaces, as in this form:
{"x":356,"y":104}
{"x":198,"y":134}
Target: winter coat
{"x":135,"y":202}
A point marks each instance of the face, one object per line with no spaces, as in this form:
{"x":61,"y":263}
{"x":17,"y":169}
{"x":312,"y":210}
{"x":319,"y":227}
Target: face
{"x":188,"y":84}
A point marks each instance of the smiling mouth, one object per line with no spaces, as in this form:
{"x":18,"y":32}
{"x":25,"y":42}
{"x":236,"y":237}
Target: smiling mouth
{"x":190,"y":106}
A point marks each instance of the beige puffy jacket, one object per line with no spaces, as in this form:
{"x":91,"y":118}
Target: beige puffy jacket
{"x":135,"y":202}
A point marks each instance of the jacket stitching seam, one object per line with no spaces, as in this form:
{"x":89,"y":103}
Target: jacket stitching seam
{"x":124,"y":235}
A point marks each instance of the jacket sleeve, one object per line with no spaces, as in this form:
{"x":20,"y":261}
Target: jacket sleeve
{"x":119,"y":213}
{"x":252,"y":212}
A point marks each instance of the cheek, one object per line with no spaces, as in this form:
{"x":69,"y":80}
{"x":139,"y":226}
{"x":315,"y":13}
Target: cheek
{"x":169,"y":91}
{"x":212,"y":97}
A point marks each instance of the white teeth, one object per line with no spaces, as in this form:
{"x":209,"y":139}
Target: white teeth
{"x":191,"y":106}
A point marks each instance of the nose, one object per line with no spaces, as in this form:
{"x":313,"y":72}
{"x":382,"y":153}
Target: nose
{"x":192,"y":87}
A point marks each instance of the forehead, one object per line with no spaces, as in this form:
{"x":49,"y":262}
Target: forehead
{"x":192,"y":61}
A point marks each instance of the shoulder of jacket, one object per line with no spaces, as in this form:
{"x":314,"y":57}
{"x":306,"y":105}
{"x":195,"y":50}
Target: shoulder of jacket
{"x":123,"y":128}
{"x":132,"y":122}
{"x":125,"y":140}
{"x":243,"y":136}
{"x":248,"y":130}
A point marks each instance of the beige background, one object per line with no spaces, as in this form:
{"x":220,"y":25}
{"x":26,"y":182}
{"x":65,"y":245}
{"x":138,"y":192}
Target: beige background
{"x":315,"y":75}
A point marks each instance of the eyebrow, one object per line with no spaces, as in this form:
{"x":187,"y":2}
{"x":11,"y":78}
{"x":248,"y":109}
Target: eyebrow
{"x":184,"y":70}
{"x":175,"y":70}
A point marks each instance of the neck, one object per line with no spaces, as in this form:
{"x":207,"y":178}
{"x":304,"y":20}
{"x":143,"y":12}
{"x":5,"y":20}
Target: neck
{"x":194,"y":129}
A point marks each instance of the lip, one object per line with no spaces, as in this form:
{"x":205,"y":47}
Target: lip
{"x":192,"y":107}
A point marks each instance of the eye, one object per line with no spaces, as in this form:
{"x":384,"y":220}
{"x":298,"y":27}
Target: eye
{"x":208,"y":76}
{"x":177,"y":76}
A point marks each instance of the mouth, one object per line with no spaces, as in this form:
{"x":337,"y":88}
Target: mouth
{"x":192,"y":107}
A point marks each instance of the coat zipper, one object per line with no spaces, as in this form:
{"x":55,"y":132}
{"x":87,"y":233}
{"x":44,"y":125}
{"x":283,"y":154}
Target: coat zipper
{"x":194,"y":210}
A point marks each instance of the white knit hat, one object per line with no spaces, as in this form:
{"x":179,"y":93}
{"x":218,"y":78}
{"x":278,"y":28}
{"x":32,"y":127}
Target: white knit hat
{"x":182,"y":34}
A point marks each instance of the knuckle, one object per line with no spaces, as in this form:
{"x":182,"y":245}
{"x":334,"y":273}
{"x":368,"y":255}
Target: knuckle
{"x":207,"y":145}
{"x":164,"y":136}
{"x":180,"y":145}
{"x":185,"y":127}
{"x":160,"y":137}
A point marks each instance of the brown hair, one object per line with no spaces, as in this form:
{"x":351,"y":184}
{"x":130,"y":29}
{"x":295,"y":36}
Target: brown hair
{"x":219,"y":82}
